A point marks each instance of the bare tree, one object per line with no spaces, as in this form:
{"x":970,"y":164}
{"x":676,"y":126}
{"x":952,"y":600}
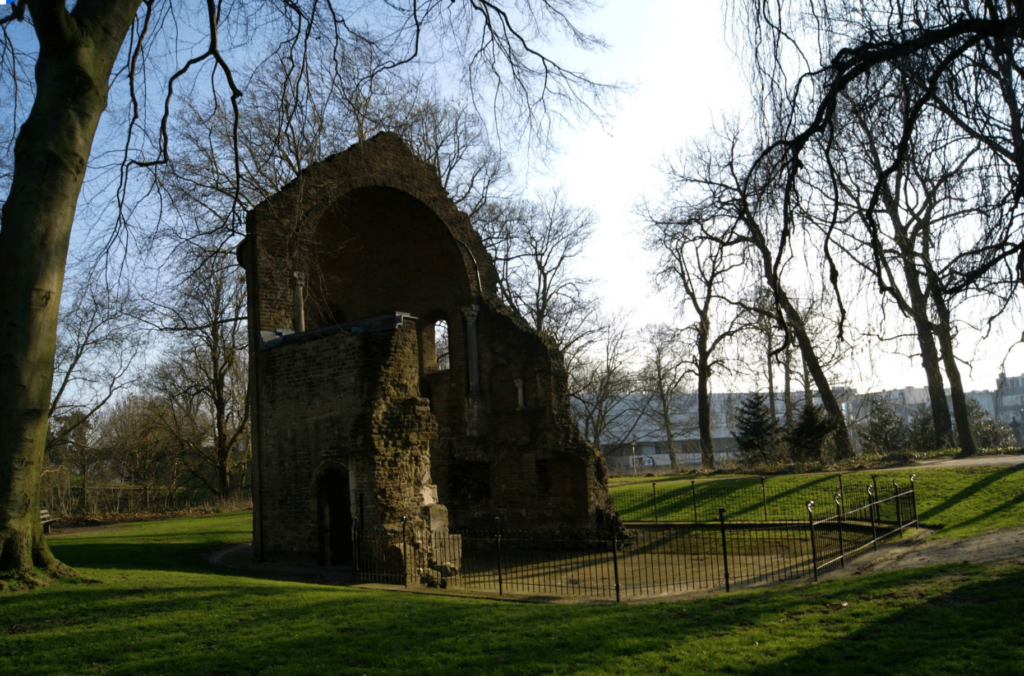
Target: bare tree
{"x":666,"y":379}
{"x":203,"y":383}
{"x":956,"y":65}
{"x":906,"y":237}
{"x":129,"y":47}
{"x":605,"y":395}
{"x":534,"y":244}
{"x":97,"y":345}
{"x":728,"y":207}
{"x":694,"y":261}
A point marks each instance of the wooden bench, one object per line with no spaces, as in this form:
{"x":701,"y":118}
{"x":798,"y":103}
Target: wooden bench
{"x":47,"y":519}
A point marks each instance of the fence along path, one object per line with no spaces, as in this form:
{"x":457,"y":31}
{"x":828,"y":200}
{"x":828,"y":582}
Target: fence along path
{"x":763,"y":540}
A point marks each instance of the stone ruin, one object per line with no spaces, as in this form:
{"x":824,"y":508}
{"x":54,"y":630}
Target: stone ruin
{"x":352,"y":271}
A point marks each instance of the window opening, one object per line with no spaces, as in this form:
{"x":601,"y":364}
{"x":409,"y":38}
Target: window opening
{"x":441,"y":345}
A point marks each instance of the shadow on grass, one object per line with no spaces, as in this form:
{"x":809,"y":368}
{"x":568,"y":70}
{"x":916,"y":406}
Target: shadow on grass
{"x":967,"y":492}
{"x":909,"y":622}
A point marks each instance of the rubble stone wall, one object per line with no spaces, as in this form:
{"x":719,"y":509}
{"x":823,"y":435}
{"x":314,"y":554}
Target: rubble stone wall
{"x":492,"y":437}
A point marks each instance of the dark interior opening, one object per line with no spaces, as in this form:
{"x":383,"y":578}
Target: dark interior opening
{"x":469,"y":482}
{"x":336,"y":518}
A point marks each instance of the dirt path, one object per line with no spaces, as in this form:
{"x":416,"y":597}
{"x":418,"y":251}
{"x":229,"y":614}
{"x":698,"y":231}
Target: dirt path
{"x":59,"y":531}
{"x":976,"y":461}
{"x":1000,"y":546}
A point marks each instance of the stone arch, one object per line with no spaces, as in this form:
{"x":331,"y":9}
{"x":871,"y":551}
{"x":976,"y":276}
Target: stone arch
{"x":380,"y":250}
{"x":285,"y":231}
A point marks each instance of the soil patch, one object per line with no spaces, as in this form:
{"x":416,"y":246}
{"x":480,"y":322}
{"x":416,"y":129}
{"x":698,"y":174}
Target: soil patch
{"x":915,"y":551}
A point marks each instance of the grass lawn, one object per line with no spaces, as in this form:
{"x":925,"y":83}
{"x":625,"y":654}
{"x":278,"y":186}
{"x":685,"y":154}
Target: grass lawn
{"x":965,"y":500}
{"x":162,"y":610}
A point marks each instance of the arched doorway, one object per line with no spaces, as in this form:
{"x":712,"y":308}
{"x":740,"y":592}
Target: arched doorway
{"x":335,"y":516}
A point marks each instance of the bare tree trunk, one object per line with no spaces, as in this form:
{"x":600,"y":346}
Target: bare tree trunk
{"x":76,"y":54}
{"x":787,"y":370}
{"x":844,"y":445}
{"x":929,"y":355}
{"x":671,"y":445}
{"x":707,"y":446}
{"x":936,"y":392}
{"x":956,"y":388}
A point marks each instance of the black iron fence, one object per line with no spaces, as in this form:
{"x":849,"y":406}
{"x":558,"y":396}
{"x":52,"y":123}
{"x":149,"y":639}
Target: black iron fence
{"x":645,"y":559}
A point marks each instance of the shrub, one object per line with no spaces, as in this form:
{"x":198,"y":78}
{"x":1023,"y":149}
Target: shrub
{"x":921,"y":430}
{"x":988,"y":433}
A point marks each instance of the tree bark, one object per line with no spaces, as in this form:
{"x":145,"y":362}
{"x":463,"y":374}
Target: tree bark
{"x":77,"y":51}
{"x":918,"y":312}
{"x":787,"y":370}
{"x":707,"y":445}
{"x":930,"y":361}
{"x":956,"y":388}
{"x":844,"y":446}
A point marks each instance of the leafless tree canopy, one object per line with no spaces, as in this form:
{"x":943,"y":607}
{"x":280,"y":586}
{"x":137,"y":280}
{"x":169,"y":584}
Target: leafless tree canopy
{"x":922,"y":64}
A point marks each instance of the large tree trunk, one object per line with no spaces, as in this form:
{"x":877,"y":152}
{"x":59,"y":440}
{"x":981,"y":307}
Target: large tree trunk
{"x":844,"y":446}
{"x":76,"y":54}
{"x":787,"y":370}
{"x":956,"y":388}
{"x":929,"y":355}
{"x":707,"y":446}
{"x":669,"y":437}
{"x":936,"y":392}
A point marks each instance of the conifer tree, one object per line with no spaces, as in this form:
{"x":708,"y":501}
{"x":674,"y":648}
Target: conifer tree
{"x":887,"y":432}
{"x":757,"y":431}
{"x":810,"y":434}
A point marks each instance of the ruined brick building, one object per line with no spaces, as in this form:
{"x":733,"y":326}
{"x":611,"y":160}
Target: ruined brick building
{"x":350,"y":270}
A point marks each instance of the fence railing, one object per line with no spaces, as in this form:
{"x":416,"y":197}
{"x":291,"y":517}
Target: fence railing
{"x":644,"y":559}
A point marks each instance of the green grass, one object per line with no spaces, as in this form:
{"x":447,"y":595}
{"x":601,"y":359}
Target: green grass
{"x":162,"y":610}
{"x":965,"y":501}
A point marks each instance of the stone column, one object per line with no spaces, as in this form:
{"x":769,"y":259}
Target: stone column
{"x":471,"y":312}
{"x":519,"y":392}
{"x":300,"y":312}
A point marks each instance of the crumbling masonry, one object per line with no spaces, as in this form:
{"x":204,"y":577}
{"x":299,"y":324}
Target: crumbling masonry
{"x":349,"y":270}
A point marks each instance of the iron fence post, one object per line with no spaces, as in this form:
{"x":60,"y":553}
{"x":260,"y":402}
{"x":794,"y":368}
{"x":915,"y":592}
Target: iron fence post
{"x":842,"y":491}
{"x":839,"y":520}
{"x":871,"y":513}
{"x":654,"y":492}
{"x":615,"y":557}
{"x":764,"y":499}
{"x":405,"y":561}
{"x":725,"y":550}
{"x":355,"y":545}
{"x":878,"y":498}
{"x":913,"y":500}
{"x":814,"y":548}
{"x":693,"y":492}
{"x":899,"y":511}
{"x":497,"y":537}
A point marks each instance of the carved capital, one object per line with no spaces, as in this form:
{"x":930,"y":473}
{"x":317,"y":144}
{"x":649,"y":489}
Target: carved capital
{"x":471,"y":312}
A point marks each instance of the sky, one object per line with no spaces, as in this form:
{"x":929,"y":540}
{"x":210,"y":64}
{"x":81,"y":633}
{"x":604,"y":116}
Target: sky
{"x":686,"y":78}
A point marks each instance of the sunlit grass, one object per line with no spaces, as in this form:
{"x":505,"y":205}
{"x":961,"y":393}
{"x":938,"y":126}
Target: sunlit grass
{"x":162,"y":610}
{"x":965,"y":501}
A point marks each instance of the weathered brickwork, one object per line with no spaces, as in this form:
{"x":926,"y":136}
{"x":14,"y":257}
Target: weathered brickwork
{"x":378,"y":254}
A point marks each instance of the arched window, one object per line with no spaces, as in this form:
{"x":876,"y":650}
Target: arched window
{"x":441,"y":345}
